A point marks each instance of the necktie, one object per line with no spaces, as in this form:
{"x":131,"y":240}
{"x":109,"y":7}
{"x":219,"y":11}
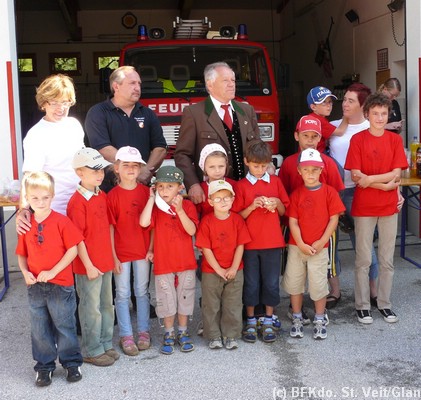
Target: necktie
{"x":227,"y":116}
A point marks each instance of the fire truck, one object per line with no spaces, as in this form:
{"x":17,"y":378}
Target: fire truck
{"x":172,"y":73}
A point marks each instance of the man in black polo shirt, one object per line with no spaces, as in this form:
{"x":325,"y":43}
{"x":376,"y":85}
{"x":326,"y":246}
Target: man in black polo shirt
{"x":122,"y":121}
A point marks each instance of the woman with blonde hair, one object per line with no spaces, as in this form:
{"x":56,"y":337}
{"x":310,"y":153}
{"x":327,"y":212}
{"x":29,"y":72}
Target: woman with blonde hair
{"x":392,"y":89}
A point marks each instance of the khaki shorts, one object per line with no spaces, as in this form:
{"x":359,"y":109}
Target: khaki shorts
{"x":299,"y":266}
{"x":171,"y":300}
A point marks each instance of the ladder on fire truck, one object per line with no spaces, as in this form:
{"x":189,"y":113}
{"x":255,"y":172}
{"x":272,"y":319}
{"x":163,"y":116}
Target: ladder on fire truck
{"x":191,"y":28}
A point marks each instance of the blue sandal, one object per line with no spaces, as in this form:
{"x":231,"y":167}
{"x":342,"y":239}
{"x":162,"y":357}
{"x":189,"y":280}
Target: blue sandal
{"x":185,"y":342}
{"x":250,"y":333}
{"x":268,"y":333}
{"x":167,"y":347}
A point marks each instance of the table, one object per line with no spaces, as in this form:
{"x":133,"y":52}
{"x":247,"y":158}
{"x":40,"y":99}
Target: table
{"x":3,"y":224}
{"x":412,"y":199}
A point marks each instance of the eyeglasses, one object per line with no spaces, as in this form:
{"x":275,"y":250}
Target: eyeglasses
{"x":40,"y":237}
{"x":56,"y":104}
{"x":224,"y":199}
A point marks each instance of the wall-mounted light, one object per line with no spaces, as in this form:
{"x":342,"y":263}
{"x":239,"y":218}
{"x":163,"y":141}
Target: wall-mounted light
{"x":395,"y":5}
{"x":352,"y":16}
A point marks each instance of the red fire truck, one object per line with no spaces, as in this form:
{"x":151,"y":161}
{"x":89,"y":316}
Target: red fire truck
{"x":172,"y":74}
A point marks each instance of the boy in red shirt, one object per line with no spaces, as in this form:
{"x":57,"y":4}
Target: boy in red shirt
{"x":261,"y":200}
{"x":222,"y":236}
{"x":93,"y":267}
{"x":44,"y":255}
{"x":313,"y":217}
{"x":320,"y":102}
{"x":375,"y":158}
{"x":308,"y":134}
{"x":174,"y":222}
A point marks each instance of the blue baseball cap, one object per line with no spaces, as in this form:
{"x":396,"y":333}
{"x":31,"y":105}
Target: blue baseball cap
{"x":318,"y":95}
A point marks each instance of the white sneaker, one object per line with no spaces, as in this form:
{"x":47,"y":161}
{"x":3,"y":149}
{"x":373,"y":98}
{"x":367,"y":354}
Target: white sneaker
{"x":364,"y":316}
{"x":297,"y":330}
{"x":319,"y":330}
{"x":389,"y":315}
{"x":231,"y":344}
{"x":216,"y":343}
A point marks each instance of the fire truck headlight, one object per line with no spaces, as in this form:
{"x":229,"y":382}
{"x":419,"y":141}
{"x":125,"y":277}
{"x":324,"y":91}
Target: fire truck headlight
{"x":267,"y":132}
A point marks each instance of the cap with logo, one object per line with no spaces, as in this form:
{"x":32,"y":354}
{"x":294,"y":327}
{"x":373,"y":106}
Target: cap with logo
{"x":89,"y":158}
{"x":129,"y":154}
{"x":318,"y":95}
{"x":208,"y":149}
{"x":216,"y":186}
{"x":309,"y":124}
{"x":310,"y":157}
{"x":169,"y":173}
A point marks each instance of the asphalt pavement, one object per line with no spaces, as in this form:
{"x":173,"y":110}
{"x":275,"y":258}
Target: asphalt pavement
{"x":356,"y":361}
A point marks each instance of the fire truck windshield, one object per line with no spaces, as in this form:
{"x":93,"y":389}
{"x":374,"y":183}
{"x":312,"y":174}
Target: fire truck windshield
{"x":178,"y":68}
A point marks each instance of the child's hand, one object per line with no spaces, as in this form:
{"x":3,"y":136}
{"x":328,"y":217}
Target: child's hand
{"x":362,"y":180}
{"x":260,"y":202}
{"x":307,"y":249}
{"x":393,"y":184}
{"x":45,"y":276}
{"x":149,"y":256}
{"x":117,"y":266}
{"x":93,"y":273}
{"x":152,"y":192}
{"x":177,"y":202}
{"x":318,"y":246}
{"x":271,"y":203}
{"x":230,"y":273}
{"x":221,"y":272}
{"x":29,"y":278}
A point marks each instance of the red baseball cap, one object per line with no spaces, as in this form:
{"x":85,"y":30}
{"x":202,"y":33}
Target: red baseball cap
{"x":309,"y":124}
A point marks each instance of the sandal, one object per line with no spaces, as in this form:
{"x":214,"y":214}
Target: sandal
{"x":250,"y":333}
{"x":185,"y":342}
{"x":332,"y":301}
{"x":167,"y":347}
{"x":268,"y":334}
{"x":143,"y":340}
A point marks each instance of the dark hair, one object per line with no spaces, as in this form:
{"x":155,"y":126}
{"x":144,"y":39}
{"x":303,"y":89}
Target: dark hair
{"x":362,"y":91}
{"x":258,"y":151}
{"x":377,"y":99}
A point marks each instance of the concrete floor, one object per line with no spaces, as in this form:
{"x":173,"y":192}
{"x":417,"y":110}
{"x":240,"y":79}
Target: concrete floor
{"x":354,"y":361}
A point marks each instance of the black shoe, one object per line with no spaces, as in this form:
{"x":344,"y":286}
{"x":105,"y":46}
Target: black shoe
{"x":373,"y":302}
{"x":43,"y":378}
{"x":74,"y":374}
{"x":152,"y":312}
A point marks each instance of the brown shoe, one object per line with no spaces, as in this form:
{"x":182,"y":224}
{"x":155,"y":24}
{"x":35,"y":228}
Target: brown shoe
{"x":143,"y":340}
{"x":100,"y":361}
{"x":128,"y":346}
{"x":113,"y":354}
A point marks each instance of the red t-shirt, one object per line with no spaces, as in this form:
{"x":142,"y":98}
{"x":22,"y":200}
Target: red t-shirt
{"x":292,"y":179}
{"x":173,"y":246}
{"x":374,"y":155}
{"x":93,"y":220}
{"x":59,"y":234}
{"x":222,"y":237}
{"x":327,"y":131}
{"x":264,"y":226}
{"x":131,"y":241}
{"x":313,"y":209}
{"x":204,"y":207}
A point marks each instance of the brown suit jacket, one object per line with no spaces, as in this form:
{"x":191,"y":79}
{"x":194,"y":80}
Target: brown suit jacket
{"x":201,"y":125}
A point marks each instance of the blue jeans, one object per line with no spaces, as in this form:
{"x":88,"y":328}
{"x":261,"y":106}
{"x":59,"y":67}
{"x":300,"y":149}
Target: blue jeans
{"x":348,"y":196}
{"x":53,"y":326}
{"x":261,"y":277}
{"x":123,"y":294}
{"x":96,"y":313}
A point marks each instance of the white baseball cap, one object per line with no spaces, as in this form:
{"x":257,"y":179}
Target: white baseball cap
{"x":216,"y":186}
{"x":90,"y":158}
{"x":128,"y":154}
{"x":310,"y":157}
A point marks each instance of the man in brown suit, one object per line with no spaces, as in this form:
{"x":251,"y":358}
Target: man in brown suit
{"x":217,"y":119}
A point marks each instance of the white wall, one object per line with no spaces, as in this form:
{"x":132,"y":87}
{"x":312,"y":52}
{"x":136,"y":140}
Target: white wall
{"x":9,"y":105}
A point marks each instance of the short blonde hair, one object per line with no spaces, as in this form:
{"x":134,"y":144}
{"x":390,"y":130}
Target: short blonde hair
{"x":39,"y":180}
{"x":55,"y":87}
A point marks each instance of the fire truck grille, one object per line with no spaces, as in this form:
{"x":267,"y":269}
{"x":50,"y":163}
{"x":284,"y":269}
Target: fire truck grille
{"x":171,"y":133}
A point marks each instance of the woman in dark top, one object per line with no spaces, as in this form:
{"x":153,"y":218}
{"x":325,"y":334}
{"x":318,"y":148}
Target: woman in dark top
{"x":392,"y":89}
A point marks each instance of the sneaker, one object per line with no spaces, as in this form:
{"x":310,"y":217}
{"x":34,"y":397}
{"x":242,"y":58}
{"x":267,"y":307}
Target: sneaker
{"x":389,"y":315}
{"x":185,"y":342}
{"x":43,"y":378}
{"x":297,"y":330}
{"x":250,"y":333}
{"x":306,"y":319}
{"x":326,"y":317}
{"x":268,"y":333}
{"x":113,"y":354}
{"x":200,"y":329}
{"x":143,"y":340}
{"x":364,"y":316}
{"x":128,"y":346}
{"x":216,"y":343}
{"x":103,"y":360}
{"x":319,"y":330}
{"x":231,"y":344}
{"x":73,"y":374}
{"x":167,"y":347}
